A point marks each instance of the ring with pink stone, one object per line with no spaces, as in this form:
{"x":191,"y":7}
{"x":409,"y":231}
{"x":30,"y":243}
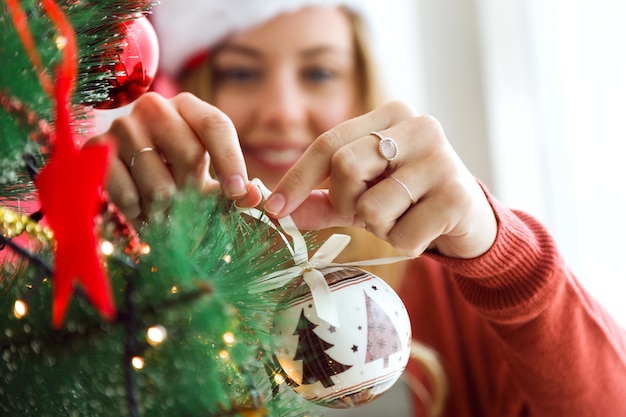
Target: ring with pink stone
{"x":387,"y":147}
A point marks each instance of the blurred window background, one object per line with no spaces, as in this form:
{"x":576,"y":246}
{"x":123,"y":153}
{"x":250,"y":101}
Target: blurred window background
{"x":532,"y":94}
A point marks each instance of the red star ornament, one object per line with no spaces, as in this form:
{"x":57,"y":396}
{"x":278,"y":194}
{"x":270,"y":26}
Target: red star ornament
{"x":70,"y":190}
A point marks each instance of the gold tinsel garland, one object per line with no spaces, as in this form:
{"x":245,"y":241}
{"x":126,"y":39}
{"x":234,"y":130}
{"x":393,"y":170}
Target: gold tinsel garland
{"x":14,"y":224}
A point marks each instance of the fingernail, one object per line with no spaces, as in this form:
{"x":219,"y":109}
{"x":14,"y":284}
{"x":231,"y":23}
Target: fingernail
{"x":234,"y":187}
{"x":274,"y":204}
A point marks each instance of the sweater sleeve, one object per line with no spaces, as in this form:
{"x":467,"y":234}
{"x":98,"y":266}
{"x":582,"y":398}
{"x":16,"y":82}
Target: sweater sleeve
{"x":567,"y":354}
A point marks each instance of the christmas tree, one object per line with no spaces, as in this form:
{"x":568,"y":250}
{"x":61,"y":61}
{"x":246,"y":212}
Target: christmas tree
{"x":317,"y":365}
{"x":382,"y":335}
{"x":100,"y":319}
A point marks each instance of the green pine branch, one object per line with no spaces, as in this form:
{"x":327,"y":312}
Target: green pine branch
{"x":194,"y":283}
{"x":24,"y":107}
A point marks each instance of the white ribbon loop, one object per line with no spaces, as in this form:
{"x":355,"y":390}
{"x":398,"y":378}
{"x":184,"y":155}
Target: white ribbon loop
{"x":325,"y":306}
{"x":309,"y":270}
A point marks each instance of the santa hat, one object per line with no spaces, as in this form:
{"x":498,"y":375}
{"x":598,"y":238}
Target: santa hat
{"x":187,"y":28}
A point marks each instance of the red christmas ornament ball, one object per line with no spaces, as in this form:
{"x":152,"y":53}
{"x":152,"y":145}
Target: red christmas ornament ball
{"x":358,"y":360}
{"x":132,"y":65}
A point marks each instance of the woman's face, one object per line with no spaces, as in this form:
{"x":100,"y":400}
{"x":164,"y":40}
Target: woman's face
{"x":286,"y":82}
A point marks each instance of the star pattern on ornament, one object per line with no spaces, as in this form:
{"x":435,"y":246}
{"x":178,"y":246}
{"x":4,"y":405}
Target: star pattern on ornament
{"x":354,"y":348}
{"x":332,"y":329}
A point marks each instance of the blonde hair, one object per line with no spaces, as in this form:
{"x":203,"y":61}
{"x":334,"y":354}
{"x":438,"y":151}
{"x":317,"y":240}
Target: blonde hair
{"x":364,"y":245}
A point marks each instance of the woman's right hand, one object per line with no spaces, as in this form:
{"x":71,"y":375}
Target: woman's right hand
{"x":423,"y":197}
{"x":179,"y":137}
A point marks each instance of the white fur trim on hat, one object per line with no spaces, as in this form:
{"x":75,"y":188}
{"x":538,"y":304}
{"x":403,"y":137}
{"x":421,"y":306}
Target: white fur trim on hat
{"x":186,"y":28}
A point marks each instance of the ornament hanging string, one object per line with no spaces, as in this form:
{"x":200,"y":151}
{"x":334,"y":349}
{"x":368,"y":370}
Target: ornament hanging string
{"x":305,"y":268}
{"x":70,"y":55}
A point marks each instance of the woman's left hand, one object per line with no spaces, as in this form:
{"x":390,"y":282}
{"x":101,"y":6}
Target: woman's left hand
{"x":425,"y":198}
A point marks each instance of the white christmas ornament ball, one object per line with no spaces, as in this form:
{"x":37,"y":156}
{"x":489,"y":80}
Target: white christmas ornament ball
{"x":350,"y":364}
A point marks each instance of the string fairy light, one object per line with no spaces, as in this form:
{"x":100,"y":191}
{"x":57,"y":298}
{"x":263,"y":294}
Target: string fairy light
{"x":106,"y":248}
{"x":61,"y":42}
{"x":145,"y":249}
{"x":156,"y":335}
{"x":137,"y":362}
{"x":20,"y":309}
{"x":229,"y":338}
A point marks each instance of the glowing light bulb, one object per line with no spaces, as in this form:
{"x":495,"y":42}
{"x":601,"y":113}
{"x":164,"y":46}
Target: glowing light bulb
{"x":137,"y":362}
{"x":279,"y":379}
{"x":156,"y":335}
{"x":61,"y":42}
{"x":20,"y":309}
{"x":224,"y":354}
{"x":228,"y":338}
{"x":107,"y":248}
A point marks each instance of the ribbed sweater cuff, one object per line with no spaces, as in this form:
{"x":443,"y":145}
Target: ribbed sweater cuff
{"x":516,"y":278}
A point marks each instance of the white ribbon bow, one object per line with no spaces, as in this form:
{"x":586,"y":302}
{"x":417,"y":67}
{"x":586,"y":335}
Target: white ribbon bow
{"x":308,"y":269}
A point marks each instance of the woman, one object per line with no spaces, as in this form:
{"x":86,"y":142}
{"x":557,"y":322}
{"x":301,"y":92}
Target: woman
{"x":513,"y":330}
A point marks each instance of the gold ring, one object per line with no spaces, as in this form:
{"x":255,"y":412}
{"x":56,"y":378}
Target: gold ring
{"x":136,"y":153}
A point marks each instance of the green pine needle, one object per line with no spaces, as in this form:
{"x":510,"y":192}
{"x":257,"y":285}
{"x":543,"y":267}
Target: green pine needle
{"x":218,"y":345}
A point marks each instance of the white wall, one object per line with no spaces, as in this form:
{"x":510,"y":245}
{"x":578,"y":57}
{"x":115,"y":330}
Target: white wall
{"x":400,"y":48}
{"x":431,"y":61}
{"x":591,"y":36}
{"x":555,"y":71}
{"x":532,"y":95}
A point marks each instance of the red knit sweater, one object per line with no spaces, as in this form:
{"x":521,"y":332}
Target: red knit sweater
{"x":517,"y":334}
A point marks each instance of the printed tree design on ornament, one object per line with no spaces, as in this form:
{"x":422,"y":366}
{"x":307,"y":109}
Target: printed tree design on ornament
{"x":317,"y":365}
{"x":382,"y":335}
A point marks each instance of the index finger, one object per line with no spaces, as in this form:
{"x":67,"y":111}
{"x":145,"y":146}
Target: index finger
{"x":219,"y":136}
{"x":314,"y":165}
